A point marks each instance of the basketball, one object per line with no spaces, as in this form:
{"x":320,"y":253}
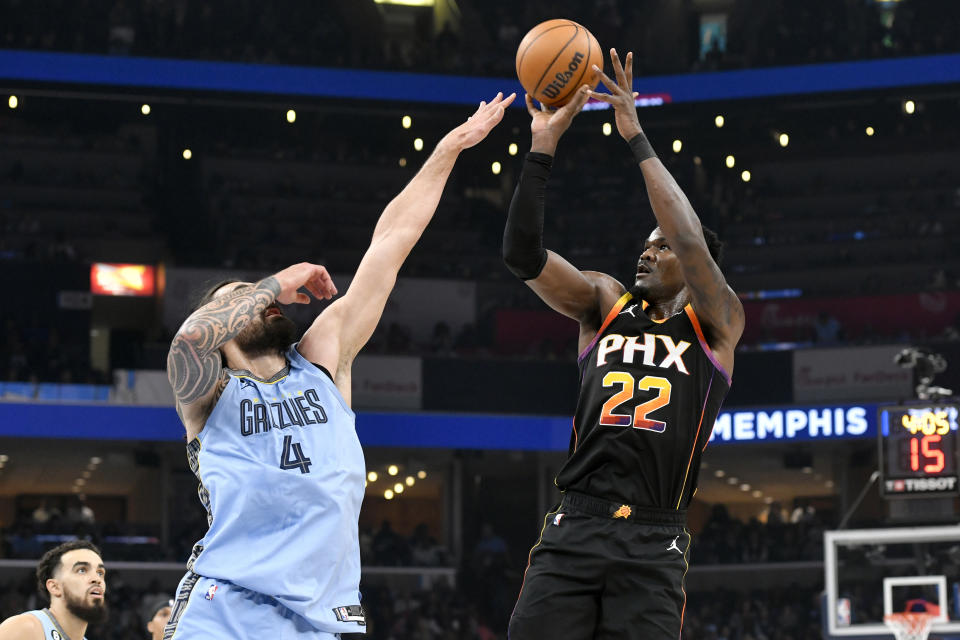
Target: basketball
{"x":555,"y":58}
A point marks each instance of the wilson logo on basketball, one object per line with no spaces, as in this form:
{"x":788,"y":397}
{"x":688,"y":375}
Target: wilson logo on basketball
{"x":623,"y":512}
{"x":561,"y":79}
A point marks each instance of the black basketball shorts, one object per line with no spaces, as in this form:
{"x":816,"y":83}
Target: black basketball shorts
{"x":602,"y":570}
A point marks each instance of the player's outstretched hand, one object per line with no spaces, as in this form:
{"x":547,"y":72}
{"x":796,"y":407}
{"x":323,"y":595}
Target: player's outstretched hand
{"x":621,"y":96}
{"x":483,"y":120}
{"x":311,"y":277}
{"x":547,"y":125}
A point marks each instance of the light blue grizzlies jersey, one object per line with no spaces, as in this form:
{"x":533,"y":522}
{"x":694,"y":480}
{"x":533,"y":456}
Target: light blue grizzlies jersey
{"x":282,"y":477}
{"x":51,"y":628}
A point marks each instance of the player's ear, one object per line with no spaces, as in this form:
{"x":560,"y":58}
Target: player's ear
{"x":54,"y":588}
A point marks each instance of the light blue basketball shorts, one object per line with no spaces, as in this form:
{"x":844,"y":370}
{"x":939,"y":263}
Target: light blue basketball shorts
{"x":206,"y":608}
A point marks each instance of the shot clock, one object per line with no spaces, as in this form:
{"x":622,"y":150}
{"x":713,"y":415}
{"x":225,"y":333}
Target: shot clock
{"x":918,"y":451}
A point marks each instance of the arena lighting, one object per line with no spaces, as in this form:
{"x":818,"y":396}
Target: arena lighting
{"x":421,"y":474}
{"x":145,"y":109}
{"x":807,"y":470}
{"x":607,"y":128}
{"x":697,"y":160}
{"x":784,"y":139}
{"x":398,"y":488}
{"x":108,"y":279}
{"x":757,"y":493}
{"x":730,"y":162}
{"x":495,"y":168}
{"x":12,"y":102}
{"x":402,"y":162}
{"x":745,"y":487}
{"x":719,"y":473}
{"x":677,"y":146}
{"x":79,"y":482}
{"x":291,"y":116}
{"x":828,"y":484}
{"x":768,"y":499}
{"x":96,"y":460}
{"x":372,"y":476}
{"x":388,"y":494}
{"x":870,"y":131}
{"x":406,"y":122}
{"x":86,"y":474}
{"x":909,"y":107}
{"x":732,"y":480}
{"x":187,"y":154}
{"x":409,"y":481}
{"x":75,"y":489}
{"x":512,"y":149}
{"x":4,"y":457}
{"x":418,"y":144}
{"x":393,"y":470}
{"x":407,"y":3}
{"x":718,"y":121}
{"x":745,"y":176}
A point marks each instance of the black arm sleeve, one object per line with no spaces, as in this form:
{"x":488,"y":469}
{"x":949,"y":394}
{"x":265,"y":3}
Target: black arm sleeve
{"x":523,"y":250}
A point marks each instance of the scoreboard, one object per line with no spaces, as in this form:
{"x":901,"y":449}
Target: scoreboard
{"x":918,"y":451}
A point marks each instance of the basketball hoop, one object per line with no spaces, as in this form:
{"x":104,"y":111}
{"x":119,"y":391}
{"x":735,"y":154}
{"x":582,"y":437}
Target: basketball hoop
{"x":909,"y":626}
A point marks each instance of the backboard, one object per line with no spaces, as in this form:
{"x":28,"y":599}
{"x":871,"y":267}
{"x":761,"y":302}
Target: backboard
{"x":873,"y":572}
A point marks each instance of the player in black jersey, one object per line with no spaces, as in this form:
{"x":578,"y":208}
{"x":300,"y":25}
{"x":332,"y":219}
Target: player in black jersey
{"x":655,"y":365}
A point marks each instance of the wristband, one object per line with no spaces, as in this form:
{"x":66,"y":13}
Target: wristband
{"x":641,"y":148}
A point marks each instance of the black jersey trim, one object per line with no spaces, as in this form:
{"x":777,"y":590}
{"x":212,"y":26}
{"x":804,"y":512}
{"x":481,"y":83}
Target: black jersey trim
{"x":703,"y":343}
{"x":617,"y":307}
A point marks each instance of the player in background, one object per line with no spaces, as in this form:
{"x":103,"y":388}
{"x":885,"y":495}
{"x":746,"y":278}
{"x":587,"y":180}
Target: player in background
{"x":271,"y":432}
{"x":156,"y":614}
{"x":71,"y":577}
{"x":655,"y":364}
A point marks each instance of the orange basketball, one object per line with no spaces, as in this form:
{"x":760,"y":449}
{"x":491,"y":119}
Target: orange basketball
{"x":555,"y":59}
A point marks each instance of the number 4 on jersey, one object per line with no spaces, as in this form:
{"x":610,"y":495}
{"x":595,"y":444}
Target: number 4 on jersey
{"x":292,"y":456}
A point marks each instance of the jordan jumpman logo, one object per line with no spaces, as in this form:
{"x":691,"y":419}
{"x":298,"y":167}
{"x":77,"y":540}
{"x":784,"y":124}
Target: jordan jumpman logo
{"x":673,"y":546}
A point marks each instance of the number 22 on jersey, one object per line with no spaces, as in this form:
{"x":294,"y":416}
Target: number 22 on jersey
{"x":639,"y":419}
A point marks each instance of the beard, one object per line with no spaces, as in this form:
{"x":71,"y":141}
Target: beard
{"x":270,"y":335}
{"x":640,"y":291}
{"x":91,"y":614}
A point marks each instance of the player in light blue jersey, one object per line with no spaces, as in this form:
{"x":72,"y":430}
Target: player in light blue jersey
{"x":71,"y":576}
{"x":271,"y":434}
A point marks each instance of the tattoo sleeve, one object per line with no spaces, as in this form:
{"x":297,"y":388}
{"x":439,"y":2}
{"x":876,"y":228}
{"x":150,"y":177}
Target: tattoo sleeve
{"x":193,"y":364}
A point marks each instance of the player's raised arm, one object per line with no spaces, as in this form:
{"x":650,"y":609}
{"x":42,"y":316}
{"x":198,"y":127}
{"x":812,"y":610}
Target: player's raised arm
{"x":574,"y":293}
{"x":193,"y":362}
{"x":345,"y":326}
{"x":716,"y":304}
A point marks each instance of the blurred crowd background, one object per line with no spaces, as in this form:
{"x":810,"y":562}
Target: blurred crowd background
{"x":858,"y":206}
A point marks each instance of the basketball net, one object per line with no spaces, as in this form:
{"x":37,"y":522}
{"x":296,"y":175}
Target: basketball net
{"x":909,"y":626}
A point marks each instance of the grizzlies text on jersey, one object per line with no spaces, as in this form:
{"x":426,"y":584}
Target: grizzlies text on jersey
{"x":281,"y":475}
{"x":649,"y":394}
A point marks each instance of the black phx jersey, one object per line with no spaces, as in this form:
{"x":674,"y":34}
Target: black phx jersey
{"x":649,"y":394}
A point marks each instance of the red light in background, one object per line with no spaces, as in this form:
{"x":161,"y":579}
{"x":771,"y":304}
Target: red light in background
{"x":122,"y":279}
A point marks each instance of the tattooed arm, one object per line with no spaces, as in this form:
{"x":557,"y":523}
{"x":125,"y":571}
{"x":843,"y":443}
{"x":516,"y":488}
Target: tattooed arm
{"x":194,"y":367}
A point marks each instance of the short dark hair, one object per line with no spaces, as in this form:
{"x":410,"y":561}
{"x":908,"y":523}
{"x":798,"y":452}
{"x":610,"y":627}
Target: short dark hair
{"x":714,"y":244}
{"x":51,"y":561}
{"x":205,"y":294}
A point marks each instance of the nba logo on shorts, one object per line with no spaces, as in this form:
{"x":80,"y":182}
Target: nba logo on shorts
{"x":557,"y":518}
{"x":211,"y":592}
{"x":843,"y":612}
